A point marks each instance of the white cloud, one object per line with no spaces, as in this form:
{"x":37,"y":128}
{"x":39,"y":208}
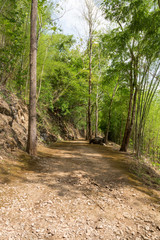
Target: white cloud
{"x":72,"y":22}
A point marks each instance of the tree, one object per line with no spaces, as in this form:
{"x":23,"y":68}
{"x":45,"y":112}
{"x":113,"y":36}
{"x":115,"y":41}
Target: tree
{"x":90,"y":14}
{"x":63,"y":86}
{"x":97,"y":93}
{"x":109,"y":113}
{"x":135,"y":43}
{"x":32,"y":130}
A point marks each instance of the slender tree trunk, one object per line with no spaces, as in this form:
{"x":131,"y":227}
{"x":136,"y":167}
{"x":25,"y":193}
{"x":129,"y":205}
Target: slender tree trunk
{"x":136,"y":121}
{"x":27,"y":86}
{"x":96,"y":125}
{"x":132,"y":103}
{"x":90,"y":14}
{"x":107,"y":129}
{"x":109,"y":114}
{"x":129,"y":130}
{"x":86,"y":125}
{"x":90,"y":88}
{"x":146,"y":100}
{"x":124,"y":144}
{"x":129,"y":124}
{"x":32,"y":130}
{"x":120,"y":132}
{"x":97,"y":95}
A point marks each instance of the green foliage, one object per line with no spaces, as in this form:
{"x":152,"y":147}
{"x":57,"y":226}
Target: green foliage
{"x":132,"y":46}
{"x":13,"y":38}
{"x":64,"y":84}
{"x":151,"y":144}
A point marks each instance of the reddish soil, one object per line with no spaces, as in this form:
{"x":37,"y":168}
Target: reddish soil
{"x":76,"y":191}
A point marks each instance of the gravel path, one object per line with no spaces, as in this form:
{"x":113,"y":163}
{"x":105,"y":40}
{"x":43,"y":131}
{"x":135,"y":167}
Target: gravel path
{"x":76,"y":191}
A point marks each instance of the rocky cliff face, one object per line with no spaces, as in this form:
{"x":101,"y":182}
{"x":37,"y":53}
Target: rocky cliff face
{"x":13,"y":121}
{"x":14,"y":124}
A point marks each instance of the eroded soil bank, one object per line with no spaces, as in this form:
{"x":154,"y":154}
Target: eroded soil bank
{"x":76,"y":191}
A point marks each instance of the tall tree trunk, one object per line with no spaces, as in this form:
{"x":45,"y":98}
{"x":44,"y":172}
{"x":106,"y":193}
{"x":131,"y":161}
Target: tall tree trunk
{"x":90,"y":88}
{"x":123,"y":146}
{"x":87,"y":125}
{"x":130,"y":125}
{"x":120,"y":132}
{"x":90,"y":14}
{"x":96,"y":124}
{"x":132,"y":102}
{"x":32,"y":130}
{"x":109,"y":114}
{"x":97,"y":95}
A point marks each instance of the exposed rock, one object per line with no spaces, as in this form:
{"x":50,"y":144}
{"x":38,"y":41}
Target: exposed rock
{"x":4,"y":107}
{"x":4,"y":121}
{"x":12,"y":128}
{"x":99,"y":226}
{"x":97,"y":140}
{"x":46,"y":136}
{"x":14,"y":124}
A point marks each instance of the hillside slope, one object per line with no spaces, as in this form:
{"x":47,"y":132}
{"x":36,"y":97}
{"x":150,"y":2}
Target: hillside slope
{"x":14,"y":124}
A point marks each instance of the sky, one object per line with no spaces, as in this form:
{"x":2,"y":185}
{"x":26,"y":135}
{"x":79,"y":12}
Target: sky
{"x":72,"y":21}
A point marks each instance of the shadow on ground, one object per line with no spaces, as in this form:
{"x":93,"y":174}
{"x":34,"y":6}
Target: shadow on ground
{"x":71,"y":168}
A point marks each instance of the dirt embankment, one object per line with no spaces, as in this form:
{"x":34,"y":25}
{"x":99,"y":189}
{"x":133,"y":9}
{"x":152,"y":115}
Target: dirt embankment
{"x":76,"y":191}
{"x":14,"y":124}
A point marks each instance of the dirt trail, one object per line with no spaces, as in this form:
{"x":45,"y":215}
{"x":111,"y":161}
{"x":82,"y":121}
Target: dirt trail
{"x":76,"y":191}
